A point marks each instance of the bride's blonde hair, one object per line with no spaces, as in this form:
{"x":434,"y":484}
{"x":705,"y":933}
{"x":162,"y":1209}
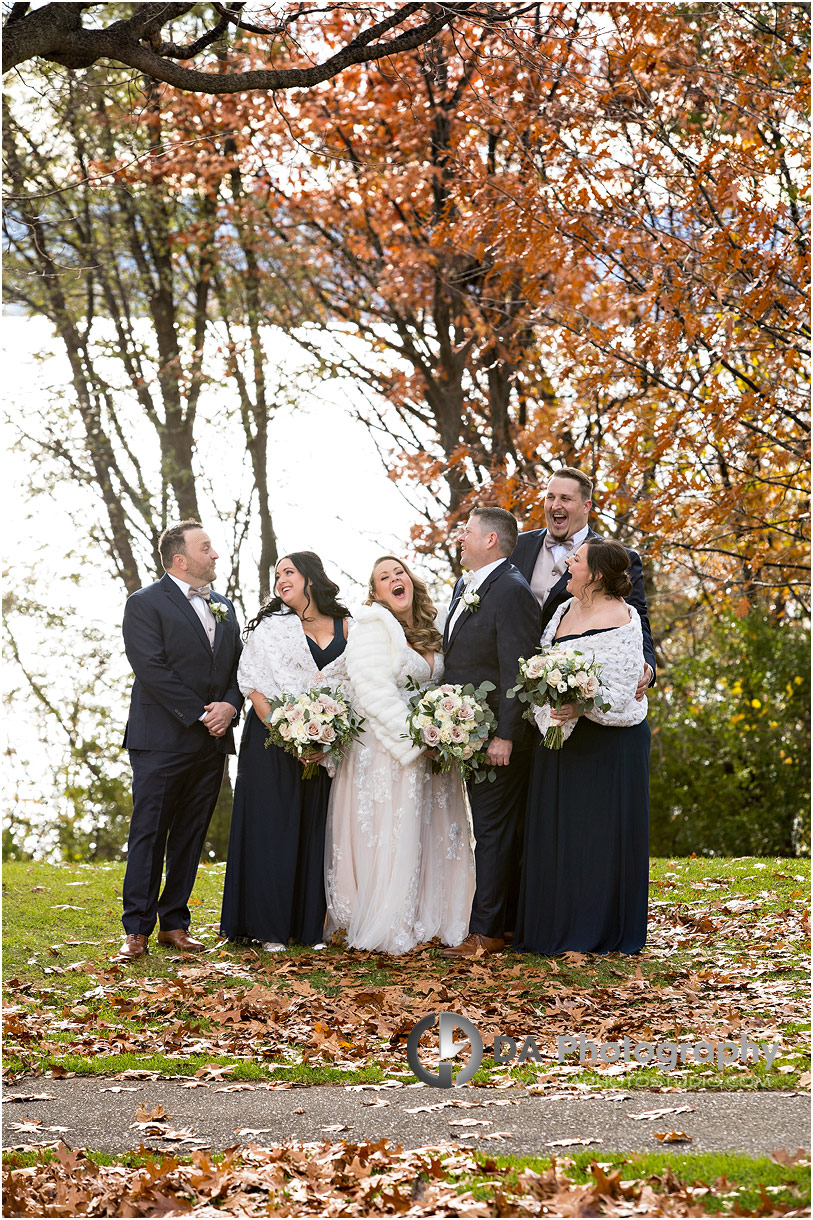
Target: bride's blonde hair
{"x":423,"y":635}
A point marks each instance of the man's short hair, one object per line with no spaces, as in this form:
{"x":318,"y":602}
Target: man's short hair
{"x":172,"y":541}
{"x":500,"y":522}
{"x":570,"y":472}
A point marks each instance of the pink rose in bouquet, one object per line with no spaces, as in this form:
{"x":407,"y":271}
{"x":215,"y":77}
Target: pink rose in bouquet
{"x":456,"y":723}
{"x":313,"y":726}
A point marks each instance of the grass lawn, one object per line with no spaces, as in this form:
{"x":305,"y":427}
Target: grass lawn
{"x":350,"y":1179}
{"x":726,"y":953}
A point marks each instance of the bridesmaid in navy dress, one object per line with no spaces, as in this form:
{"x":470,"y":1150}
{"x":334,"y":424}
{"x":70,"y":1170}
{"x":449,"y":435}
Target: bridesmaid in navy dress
{"x":274,"y":888}
{"x":585,"y":866}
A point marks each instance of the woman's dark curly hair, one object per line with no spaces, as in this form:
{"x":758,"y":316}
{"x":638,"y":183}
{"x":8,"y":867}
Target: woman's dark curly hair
{"x":319,"y":590}
{"x":609,"y":563}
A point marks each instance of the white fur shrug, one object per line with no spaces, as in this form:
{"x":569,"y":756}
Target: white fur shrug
{"x":377,"y":662}
{"x":620,"y":652}
{"x":276,"y":659}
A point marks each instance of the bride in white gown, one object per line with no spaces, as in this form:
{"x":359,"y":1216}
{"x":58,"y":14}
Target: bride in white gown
{"x":399,"y":862}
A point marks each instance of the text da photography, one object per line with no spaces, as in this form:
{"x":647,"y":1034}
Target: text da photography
{"x":457,"y":1058}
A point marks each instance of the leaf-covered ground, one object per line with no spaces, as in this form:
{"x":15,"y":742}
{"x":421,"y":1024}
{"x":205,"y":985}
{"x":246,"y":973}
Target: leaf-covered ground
{"x":375,"y":1179}
{"x":726,"y":955}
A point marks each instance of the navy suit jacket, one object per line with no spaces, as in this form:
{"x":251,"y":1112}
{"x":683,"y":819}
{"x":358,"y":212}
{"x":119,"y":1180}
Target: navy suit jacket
{"x":176,"y":670}
{"x":486,"y":644}
{"x":525,"y":556}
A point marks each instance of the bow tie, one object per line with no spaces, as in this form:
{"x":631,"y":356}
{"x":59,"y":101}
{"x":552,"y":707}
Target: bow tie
{"x":204,"y":592}
{"x":550,"y":542}
{"x":469,"y":579}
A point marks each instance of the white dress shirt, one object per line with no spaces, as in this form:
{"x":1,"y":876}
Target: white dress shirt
{"x":472,"y":581}
{"x":200,"y":606}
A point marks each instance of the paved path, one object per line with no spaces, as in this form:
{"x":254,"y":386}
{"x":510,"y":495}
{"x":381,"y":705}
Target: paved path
{"x":85,"y":1113}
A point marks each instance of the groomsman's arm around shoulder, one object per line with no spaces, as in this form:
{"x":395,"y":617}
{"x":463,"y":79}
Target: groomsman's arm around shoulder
{"x":637,"y":598}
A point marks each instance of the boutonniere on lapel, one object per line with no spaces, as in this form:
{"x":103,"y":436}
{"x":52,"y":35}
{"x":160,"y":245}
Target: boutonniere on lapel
{"x":471,"y":600}
{"x":220,"y":611}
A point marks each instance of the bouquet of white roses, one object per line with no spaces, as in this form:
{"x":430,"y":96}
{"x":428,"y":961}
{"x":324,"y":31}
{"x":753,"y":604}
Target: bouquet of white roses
{"x":456,"y":723}
{"x":550,"y":680}
{"x":320,"y":721}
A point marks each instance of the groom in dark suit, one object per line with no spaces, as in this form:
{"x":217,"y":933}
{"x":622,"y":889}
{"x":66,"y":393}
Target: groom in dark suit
{"x":183,"y":643}
{"x":483,"y":641}
{"x":540,"y":555}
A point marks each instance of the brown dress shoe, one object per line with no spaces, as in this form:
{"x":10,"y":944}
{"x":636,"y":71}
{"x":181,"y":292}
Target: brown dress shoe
{"x":179,"y":938}
{"x":134,"y":946}
{"x":475,"y":945}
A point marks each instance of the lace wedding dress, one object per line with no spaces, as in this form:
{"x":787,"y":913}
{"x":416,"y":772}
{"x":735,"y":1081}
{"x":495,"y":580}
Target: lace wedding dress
{"x":399,"y":862}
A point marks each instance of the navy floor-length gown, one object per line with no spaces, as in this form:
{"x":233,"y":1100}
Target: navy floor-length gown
{"x":275,"y":873}
{"x":585,"y":877}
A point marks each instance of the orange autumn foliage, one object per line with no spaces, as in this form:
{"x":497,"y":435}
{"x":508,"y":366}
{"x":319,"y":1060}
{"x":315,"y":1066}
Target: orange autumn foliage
{"x":579,"y":238}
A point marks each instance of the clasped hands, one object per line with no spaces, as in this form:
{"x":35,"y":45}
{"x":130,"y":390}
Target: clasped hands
{"x":568,"y":711}
{"x":312,"y":756}
{"x":218,"y":718}
{"x":499,"y":752}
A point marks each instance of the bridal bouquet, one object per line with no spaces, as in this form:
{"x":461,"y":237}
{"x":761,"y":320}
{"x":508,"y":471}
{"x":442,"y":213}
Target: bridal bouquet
{"x":457,"y":723}
{"x":551,"y":679}
{"x":306,"y":725}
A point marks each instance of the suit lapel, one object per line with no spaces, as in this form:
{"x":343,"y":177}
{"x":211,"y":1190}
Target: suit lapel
{"x":175,"y":595}
{"x":457,"y":593}
{"x":535,"y":553}
{"x":481,"y":592}
{"x":220,"y":622}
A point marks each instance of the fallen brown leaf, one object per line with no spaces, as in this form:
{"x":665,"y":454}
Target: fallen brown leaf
{"x":782,"y":1157}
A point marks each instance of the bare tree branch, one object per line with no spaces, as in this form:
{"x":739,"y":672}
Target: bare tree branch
{"x":55,"y":32}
